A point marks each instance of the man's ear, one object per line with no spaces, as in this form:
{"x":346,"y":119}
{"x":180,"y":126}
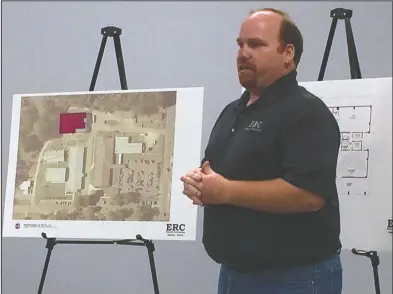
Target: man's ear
{"x":289,"y":54}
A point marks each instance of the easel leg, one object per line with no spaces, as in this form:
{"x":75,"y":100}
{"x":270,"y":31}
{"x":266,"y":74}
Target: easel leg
{"x":352,"y":53}
{"x":150,"y":250}
{"x":375,"y":262}
{"x":50,"y":243}
{"x":153,"y":271}
{"x":373,"y":255}
{"x":328,"y":47}
{"x":120,"y":62}
{"x":376,"y":280}
{"x":98,"y":63}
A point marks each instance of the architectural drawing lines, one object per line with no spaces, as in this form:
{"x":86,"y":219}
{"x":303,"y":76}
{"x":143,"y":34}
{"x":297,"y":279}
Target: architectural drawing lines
{"x":353,"y":161}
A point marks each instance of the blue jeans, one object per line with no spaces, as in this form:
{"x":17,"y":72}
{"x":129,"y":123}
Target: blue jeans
{"x":321,"y":278}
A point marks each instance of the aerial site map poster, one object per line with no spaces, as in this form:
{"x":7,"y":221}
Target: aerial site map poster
{"x":103,"y":165}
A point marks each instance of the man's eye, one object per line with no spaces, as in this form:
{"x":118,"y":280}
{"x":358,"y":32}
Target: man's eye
{"x":253,"y":45}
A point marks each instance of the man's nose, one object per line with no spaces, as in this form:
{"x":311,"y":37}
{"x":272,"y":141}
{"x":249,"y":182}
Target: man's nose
{"x":244,"y":52}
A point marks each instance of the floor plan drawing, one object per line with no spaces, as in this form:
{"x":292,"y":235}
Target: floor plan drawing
{"x":353,"y":161}
{"x":363,"y":111}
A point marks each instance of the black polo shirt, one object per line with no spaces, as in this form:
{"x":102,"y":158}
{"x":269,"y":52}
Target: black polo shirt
{"x":287,"y":133}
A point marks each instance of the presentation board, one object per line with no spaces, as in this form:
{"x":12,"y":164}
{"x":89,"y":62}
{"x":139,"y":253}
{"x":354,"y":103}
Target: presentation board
{"x":363,"y":109}
{"x":103,"y":164}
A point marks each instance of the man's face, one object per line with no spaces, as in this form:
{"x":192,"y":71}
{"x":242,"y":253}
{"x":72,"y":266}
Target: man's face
{"x":260,"y":58}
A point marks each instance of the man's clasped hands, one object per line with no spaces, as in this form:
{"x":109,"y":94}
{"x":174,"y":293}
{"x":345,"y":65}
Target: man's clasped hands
{"x":204,"y":186}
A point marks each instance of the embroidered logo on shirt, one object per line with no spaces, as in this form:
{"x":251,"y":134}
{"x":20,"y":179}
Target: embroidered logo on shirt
{"x":255,"y":125}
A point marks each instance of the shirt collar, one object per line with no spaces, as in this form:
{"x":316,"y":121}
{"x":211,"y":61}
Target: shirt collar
{"x":274,"y":92}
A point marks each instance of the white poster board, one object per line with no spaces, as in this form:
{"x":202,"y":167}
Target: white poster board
{"x":103,"y":164}
{"x":363,"y":109}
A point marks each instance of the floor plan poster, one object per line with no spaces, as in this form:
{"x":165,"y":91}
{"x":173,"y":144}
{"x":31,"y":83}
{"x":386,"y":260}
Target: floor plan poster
{"x":362,"y":109}
{"x":103,"y":164}
{"x":353,"y":162}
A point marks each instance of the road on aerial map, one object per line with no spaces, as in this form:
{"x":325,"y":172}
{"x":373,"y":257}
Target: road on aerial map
{"x":166,"y":167}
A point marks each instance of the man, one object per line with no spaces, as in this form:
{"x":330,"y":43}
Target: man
{"x":268,"y":177}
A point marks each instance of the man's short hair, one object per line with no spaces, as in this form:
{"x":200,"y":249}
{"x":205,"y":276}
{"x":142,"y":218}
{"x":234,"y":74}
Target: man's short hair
{"x":289,"y":32}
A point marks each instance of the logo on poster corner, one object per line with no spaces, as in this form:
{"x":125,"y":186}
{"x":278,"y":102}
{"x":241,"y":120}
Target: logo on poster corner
{"x":175,"y":229}
{"x":31,"y":226}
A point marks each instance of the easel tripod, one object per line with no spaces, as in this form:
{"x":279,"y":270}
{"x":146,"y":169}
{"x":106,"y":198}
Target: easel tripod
{"x":139,"y":241}
{"x":346,"y":14}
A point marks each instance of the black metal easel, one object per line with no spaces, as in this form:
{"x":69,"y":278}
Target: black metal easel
{"x":139,"y":241}
{"x":346,"y":14}
{"x":373,"y":255}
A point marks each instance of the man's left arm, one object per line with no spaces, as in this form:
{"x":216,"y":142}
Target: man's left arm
{"x":309,"y":157}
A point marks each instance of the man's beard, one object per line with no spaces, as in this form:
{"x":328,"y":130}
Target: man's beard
{"x":247,"y":80}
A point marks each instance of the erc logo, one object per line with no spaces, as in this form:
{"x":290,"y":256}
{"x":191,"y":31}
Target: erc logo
{"x":254,"y":125}
{"x":175,"y":229}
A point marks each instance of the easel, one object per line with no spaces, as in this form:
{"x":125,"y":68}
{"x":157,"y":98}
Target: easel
{"x":139,"y":241}
{"x":346,"y":14}
{"x":373,"y":255}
